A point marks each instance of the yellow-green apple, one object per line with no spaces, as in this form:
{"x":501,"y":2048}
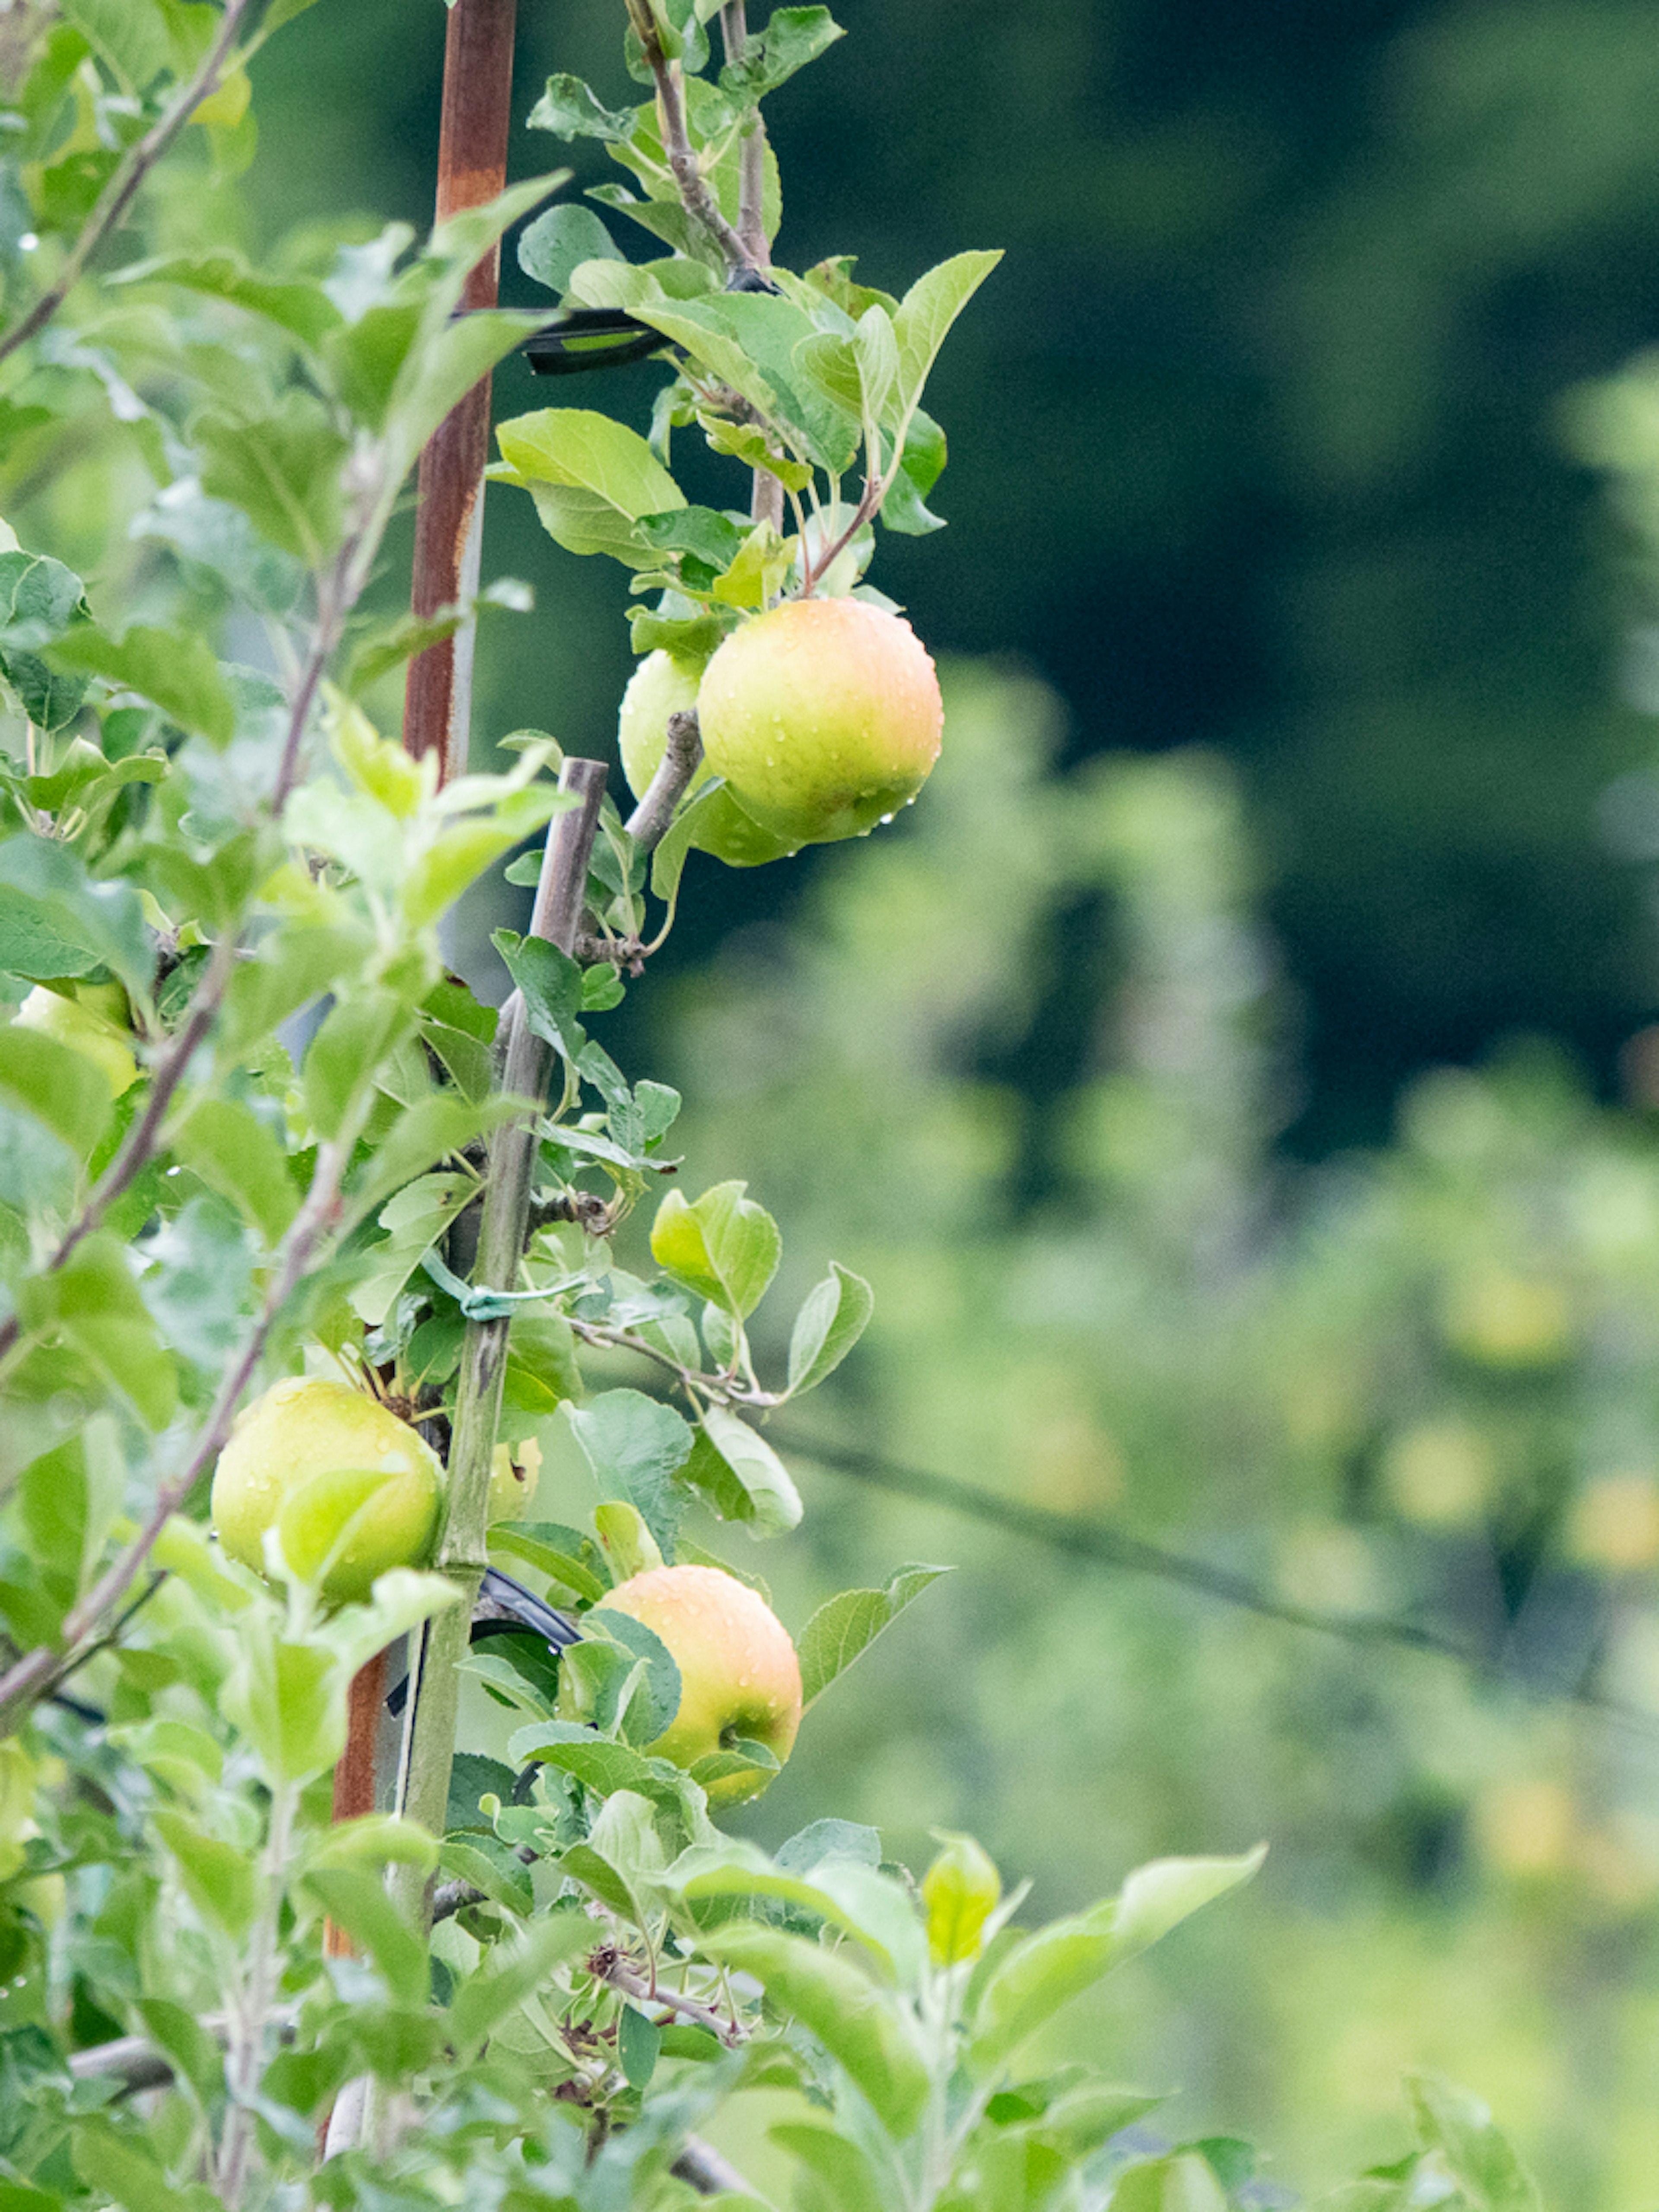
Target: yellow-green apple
{"x":740,"y":1678}
{"x":823,"y":716}
{"x":83,"y":1023}
{"x":349,"y":1489}
{"x":662,"y":684}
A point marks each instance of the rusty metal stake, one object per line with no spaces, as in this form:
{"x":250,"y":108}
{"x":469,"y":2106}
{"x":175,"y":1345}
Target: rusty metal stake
{"x":449,"y":519}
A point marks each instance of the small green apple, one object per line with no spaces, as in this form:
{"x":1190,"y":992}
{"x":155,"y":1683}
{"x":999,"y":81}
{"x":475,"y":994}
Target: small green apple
{"x":349,"y":1489}
{"x":740,"y":1678}
{"x":823,"y":716}
{"x":80,"y":1024}
{"x":660,"y":686}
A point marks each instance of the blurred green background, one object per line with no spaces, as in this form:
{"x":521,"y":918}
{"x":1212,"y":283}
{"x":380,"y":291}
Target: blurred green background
{"x":1235,"y":1076}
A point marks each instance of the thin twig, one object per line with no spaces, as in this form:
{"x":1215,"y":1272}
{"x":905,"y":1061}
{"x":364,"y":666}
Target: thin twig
{"x":708,"y":2174}
{"x":766,"y":497}
{"x":124,"y":186}
{"x":697,"y":200}
{"x":620,"y":1976}
{"x":648,"y":824}
{"x":713,"y":1385}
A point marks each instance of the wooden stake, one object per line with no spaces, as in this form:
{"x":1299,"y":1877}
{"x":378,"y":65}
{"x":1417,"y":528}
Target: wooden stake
{"x":448,"y":524}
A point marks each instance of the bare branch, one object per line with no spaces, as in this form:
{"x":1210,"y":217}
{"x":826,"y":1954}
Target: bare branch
{"x":124,"y":186}
{"x":648,"y":824}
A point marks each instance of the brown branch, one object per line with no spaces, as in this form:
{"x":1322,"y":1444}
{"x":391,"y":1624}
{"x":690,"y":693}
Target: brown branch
{"x":648,"y":824}
{"x":696,"y":198}
{"x":124,"y":186}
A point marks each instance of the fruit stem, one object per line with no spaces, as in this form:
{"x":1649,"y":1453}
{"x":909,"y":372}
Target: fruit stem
{"x":429,"y":1743}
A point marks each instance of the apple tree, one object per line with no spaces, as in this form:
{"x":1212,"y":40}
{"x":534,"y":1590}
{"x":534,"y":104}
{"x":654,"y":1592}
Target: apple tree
{"x":264,"y":1155}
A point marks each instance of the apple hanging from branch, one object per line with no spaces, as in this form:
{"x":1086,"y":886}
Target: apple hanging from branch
{"x":823,"y":716}
{"x":740,"y":1677}
{"x":349,"y":1488}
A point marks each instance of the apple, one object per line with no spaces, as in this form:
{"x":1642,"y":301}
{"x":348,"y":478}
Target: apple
{"x":349,"y":1489}
{"x":82,"y":1024}
{"x":660,"y":686}
{"x":822,"y":715}
{"x":740,"y":1677}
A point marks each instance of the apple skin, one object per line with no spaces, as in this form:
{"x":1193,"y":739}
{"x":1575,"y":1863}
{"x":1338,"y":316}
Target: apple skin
{"x":296,"y":1450}
{"x":660,"y":686}
{"x":739,"y":1676}
{"x":86,"y":1030}
{"x":823,"y":716}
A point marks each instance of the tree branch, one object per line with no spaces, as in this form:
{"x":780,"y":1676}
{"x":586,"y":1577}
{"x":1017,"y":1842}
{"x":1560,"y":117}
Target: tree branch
{"x":428,"y":1744}
{"x":124,"y":186}
{"x":697,"y":200}
{"x":648,"y":824}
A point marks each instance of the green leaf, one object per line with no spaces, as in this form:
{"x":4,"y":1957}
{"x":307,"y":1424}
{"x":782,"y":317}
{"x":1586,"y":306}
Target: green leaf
{"x":64,"y":1089}
{"x":304,"y":310}
{"x":560,"y":241}
{"x":1033,"y":1978}
{"x":220,"y":1878}
{"x":56,"y":922}
{"x":292,"y":967}
{"x":852,"y":2017}
{"x":177,"y":672}
{"x":840,"y":1630}
{"x":635,"y":1447}
{"x":1181,"y":2184}
{"x":358,"y":1903}
{"x":591,"y":479}
{"x":1479,"y":2156}
{"x":92,"y":1303}
{"x":569,"y":109}
{"x":927,"y":311}
{"x":356,"y":1038}
{"x":513,"y":1971}
{"x":639,"y":2043}
{"x":831,"y":1320}
{"x":600,"y":1765}
{"x":282,"y":469}
{"x":119,"y":2166}
{"x":129,"y":34}
{"x":551,"y":983}
{"x":849,"y":2182}
{"x":39,"y":599}
{"x":725,"y":1246}
{"x":740,"y":1474}
{"x":235,"y":1153}
{"x":50,"y":699}
{"x":792,"y":37}
{"x":489,"y":1865}
{"x":554,"y":1550}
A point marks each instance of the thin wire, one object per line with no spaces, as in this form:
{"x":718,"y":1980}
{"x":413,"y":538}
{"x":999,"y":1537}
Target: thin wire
{"x":1079,"y":1538}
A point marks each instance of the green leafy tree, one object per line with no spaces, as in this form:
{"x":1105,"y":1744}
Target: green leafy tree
{"x":256,"y":1134}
